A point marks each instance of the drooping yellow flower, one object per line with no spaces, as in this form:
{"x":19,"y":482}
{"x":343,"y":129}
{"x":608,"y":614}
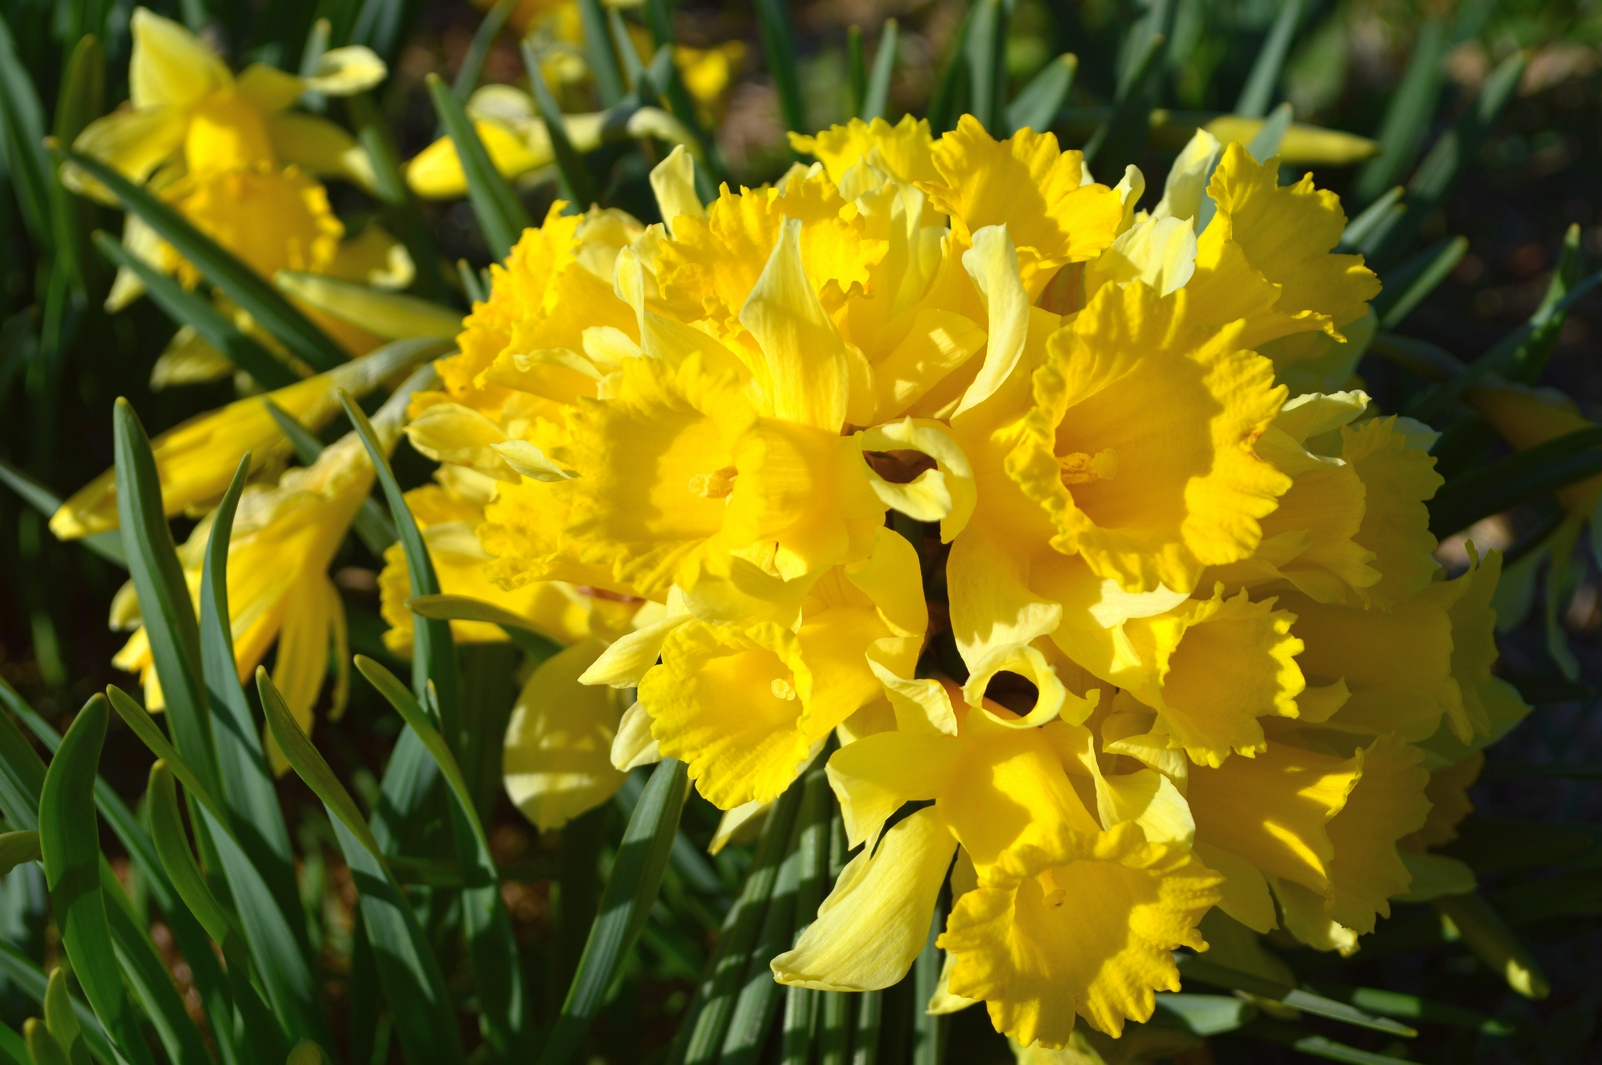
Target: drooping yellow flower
{"x":197,"y":459}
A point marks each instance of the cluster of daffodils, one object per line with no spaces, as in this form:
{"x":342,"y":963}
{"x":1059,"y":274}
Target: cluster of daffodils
{"x":943,"y":450}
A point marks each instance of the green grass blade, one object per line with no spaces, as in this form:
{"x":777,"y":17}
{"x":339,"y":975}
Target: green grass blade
{"x":1121,"y":137}
{"x":985,"y":49}
{"x":24,"y":974}
{"x":70,"y":845}
{"x":758,"y":997}
{"x":1411,"y":1007}
{"x":1408,"y":287}
{"x":1519,"y":478}
{"x":43,"y":1048}
{"x":778,"y":47}
{"x":812,"y":855}
{"x":1265,"y":145}
{"x":370,"y":524}
{"x":82,"y":99}
{"x":401,"y":212}
{"x":255,"y":856}
{"x":1485,"y":932}
{"x":472,"y":67}
{"x":59,"y":1016}
{"x":1317,"y":1046}
{"x":22,"y":772}
{"x":158,"y":577}
{"x":194,"y":309}
{"x":835,"y":1020}
{"x":951,"y":92}
{"x":1531,"y":359}
{"x":876,"y":101}
{"x":143,"y":725}
{"x":578,"y":184}
{"x":433,"y":651}
{"x":1258,"y":92}
{"x":631,"y":890}
{"x":1036,"y":107}
{"x":1407,"y":117}
{"x":930,"y":1033}
{"x":870,"y":1021}
{"x":501,"y":215}
{"x":1372,"y":219}
{"x":391,"y":315}
{"x":16,"y":848}
{"x":237,"y":281}
{"x":108,"y":545}
{"x":519,"y":629}
{"x":856,"y":70}
{"x":491,"y":944}
{"x":600,"y":51}
{"x":22,"y":126}
{"x":1192,"y":967}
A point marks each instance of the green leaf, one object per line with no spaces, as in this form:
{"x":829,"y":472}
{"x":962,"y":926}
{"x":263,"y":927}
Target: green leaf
{"x":1374,"y":219}
{"x":491,"y":944}
{"x":413,"y":983}
{"x":21,"y":771}
{"x":42,"y":1046}
{"x":501,"y":215}
{"x":1265,"y":143}
{"x":472,"y":283}
{"x":16,"y":848}
{"x":876,"y":99}
{"x":1483,"y":930}
{"x":70,"y":846}
{"x":985,"y":51}
{"x":1407,"y":117}
{"x":929,"y":1031}
{"x":1520,"y":477}
{"x":1037,"y":106}
{"x":631,"y":890}
{"x":519,"y":629}
{"x":1258,"y":92}
{"x":1193,"y":967}
{"x":1407,"y":285}
{"x":1122,"y":136}
{"x":1490,"y":846}
{"x":778,"y":48}
{"x":401,"y":212}
{"x":24,"y":974}
{"x":194,"y":309}
{"x":433,"y":651}
{"x":472,"y":67}
{"x":370,"y":523}
{"x":81,"y":100}
{"x":255,"y":855}
{"x":108,"y":545}
{"x":578,"y":184}
{"x":1396,"y":1004}
{"x":856,"y":70}
{"x":237,"y":281}
{"x":391,"y":315}
{"x":1529,"y":362}
{"x":22,"y":128}
{"x":62,"y":1021}
{"x":600,"y":51}
{"x":726,"y":967}
{"x":950,"y":95}
{"x":158,"y":578}
{"x":1317,"y":1046}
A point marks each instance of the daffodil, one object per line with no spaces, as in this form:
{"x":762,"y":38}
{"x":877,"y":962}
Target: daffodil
{"x":197,"y":459}
{"x":284,"y":537}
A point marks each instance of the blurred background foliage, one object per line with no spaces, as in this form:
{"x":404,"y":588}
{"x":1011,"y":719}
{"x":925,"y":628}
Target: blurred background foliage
{"x":1523,"y":186}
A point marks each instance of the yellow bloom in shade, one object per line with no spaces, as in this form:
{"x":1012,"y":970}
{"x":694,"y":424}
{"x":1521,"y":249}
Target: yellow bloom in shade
{"x":1525,"y":417}
{"x":284,"y":538}
{"x":197,"y":459}
{"x":1028,"y":185}
{"x":557,"y":761}
{"x":1149,"y":501}
{"x":1079,"y":926}
{"x":745,"y":704}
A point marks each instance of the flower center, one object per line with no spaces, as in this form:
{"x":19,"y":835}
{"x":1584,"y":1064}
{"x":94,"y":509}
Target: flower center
{"x":715,"y":485}
{"x":1080,"y":468}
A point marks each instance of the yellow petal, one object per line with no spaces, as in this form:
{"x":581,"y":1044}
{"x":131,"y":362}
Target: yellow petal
{"x":905,"y":150}
{"x":346,"y":71}
{"x":992,"y":262}
{"x":673,"y":181}
{"x":945,"y":493}
{"x":320,"y":147}
{"x":1387,"y":803}
{"x":874,"y":776}
{"x":170,"y":65}
{"x":269,"y":88}
{"x":874,"y":923}
{"x":435,"y":173}
{"x":558,"y":762}
{"x":134,"y":142}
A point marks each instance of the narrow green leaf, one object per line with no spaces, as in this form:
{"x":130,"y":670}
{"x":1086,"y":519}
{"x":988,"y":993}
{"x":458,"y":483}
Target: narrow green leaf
{"x":14,"y":1048}
{"x":401,"y":212}
{"x":1523,"y":476}
{"x":985,"y":49}
{"x":42,"y":1046}
{"x":1258,"y":92}
{"x":237,"y":281}
{"x":1193,"y":967}
{"x":1484,"y":931}
{"x":21,"y":771}
{"x":1420,"y":357}
{"x":81,"y":100}
{"x":1265,"y":144}
{"x":600,"y":51}
{"x":950,"y":95}
{"x":70,"y":846}
{"x":1407,"y":117}
{"x":108,"y":545}
{"x":1531,"y":359}
{"x":167,"y":832}
{"x":835,"y":1020}
{"x":1201,"y":1014}
{"x":472,"y":67}
{"x":856,"y":70}
{"x":391,"y":315}
{"x":60,"y":1019}
{"x":501,"y":215}
{"x":1373,"y":218}
{"x":433,"y":651}
{"x":158,"y":578}
{"x":22,"y":127}
{"x":519,"y":629}
{"x":16,"y":848}
{"x":631,"y":890}
{"x":24,"y":974}
{"x":1397,"y":1004}
{"x":472,"y":284}
{"x":633,"y":69}
{"x":255,"y":855}
{"x":578,"y":184}
{"x":491,"y":943}
{"x":1121,"y":137}
{"x":1317,"y":1046}
{"x":876,"y":100}
{"x":870,"y":1022}
{"x":194,"y":309}
{"x":929,"y":1032}
{"x":1406,"y":288}
{"x":370,"y":523}
{"x":778,"y":48}
{"x":1036,"y":107}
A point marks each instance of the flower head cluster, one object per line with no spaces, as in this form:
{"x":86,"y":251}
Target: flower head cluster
{"x":941,"y":448}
